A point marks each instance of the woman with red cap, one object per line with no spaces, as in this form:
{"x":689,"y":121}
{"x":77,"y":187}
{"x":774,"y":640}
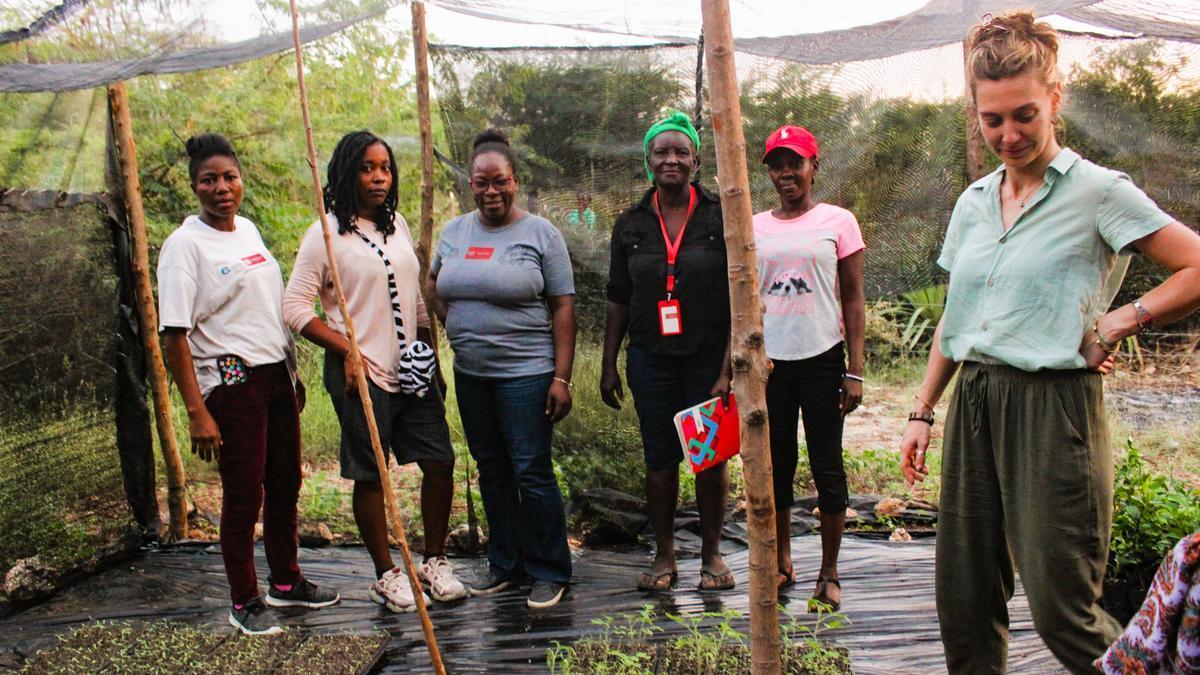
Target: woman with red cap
{"x":810,"y":268}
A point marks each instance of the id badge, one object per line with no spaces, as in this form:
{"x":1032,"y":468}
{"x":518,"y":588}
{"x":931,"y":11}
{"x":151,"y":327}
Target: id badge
{"x":669,"y":322}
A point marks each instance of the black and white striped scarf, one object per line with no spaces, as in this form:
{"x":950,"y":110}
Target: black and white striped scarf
{"x":417,"y":363}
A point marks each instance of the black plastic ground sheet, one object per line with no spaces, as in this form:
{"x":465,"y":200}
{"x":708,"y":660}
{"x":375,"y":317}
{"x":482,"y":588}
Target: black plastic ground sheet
{"x":887,"y":595}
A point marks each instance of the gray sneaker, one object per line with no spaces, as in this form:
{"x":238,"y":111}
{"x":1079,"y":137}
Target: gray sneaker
{"x":303,"y":593}
{"x":545,"y":594}
{"x":253,"y":618}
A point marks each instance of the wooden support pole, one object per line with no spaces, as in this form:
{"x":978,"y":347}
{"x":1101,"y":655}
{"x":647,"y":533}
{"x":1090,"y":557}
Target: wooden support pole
{"x":425,"y":241}
{"x":976,"y":148}
{"x":381,"y":460}
{"x":750,"y":363}
{"x":147,"y":311}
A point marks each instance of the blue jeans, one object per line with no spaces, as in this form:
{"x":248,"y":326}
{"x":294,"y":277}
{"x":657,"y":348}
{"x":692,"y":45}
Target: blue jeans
{"x":508,"y":433}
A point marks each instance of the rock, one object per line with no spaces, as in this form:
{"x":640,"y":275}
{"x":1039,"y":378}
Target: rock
{"x":459,"y":540}
{"x":30,"y":579}
{"x":889,"y":507}
{"x":900,"y":534}
{"x":315,"y":535}
{"x":258,"y":531}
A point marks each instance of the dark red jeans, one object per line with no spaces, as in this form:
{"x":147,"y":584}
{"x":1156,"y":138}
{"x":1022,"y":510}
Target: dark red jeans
{"x":260,"y":457}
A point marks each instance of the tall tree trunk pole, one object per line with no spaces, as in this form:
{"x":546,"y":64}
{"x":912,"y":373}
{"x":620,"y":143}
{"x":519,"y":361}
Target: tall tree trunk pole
{"x":147,"y":312}
{"x":381,"y":460}
{"x":976,"y":148}
{"x":425,"y":241}
{"x":750,"y":363}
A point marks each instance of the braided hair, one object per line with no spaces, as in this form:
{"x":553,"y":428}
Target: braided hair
{"x":341,"y":184}
{"x":202,"y":146}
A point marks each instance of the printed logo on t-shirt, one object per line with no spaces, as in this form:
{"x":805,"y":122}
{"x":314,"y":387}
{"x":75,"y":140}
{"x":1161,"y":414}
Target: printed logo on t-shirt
{"x":788,"y":283}
{"x":256,"y":259}
{"x":515,"y":254}
{"x":480,"y":253}
{"x":225,"y":269}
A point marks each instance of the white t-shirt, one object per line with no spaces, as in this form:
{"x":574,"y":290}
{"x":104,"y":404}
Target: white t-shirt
{"x":226,"y":289}
{"x":797,"y":275}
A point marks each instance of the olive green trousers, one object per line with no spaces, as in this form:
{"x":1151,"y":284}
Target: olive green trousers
{"x":1027,"y":479}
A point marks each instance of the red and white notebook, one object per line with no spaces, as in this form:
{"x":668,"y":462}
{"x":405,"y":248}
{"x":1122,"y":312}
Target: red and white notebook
{"x":709,"y":433}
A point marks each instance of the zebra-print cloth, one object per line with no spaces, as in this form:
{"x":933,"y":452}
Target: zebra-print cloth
{"x":417,"y":364}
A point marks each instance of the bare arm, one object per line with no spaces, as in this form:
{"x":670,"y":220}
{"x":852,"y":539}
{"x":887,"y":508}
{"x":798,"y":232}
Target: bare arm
{"x":206,"y":437}
{"x":854,"y":318}
{"x":616,"y":324}
{"x":1176,"y":248}
{"x":564,"y":329}
{"x":433,"y":299}
{"x":938,"y":373}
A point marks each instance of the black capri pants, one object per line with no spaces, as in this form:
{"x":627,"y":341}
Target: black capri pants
{"x":810,"y":387}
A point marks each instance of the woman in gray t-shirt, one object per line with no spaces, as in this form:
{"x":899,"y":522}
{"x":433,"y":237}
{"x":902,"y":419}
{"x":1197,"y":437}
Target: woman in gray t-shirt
{"x":501,"y":283}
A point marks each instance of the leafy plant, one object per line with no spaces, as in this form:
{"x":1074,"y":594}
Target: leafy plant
{"x":1150,"y":513}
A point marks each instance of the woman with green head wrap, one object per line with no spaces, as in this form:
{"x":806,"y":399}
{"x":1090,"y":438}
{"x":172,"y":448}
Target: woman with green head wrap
{"x":668,"y":289}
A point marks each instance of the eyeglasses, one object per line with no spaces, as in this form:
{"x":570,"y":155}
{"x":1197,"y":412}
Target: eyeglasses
{"x":480,"y":185}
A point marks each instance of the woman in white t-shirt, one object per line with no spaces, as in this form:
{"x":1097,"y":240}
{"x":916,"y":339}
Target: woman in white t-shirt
{"x":810,"y":267}
{"x":232,"y":357}
{"x":378,"y":269}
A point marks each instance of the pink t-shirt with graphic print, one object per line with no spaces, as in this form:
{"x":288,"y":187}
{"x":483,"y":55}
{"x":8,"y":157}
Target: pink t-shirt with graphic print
{"x":797,"y":274}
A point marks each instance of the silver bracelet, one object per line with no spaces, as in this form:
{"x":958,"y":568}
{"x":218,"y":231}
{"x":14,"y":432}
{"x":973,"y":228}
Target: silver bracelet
{"x":566,"y":382}
{"x":851,"y":376}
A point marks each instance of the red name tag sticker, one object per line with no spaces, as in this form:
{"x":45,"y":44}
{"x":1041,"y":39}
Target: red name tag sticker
{"x":669,"y":322}
{"x":480,"y":253}
{"x":256,"y":259}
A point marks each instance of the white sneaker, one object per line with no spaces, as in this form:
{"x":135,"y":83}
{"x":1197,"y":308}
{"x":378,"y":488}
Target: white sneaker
{"x":443,"y":585}
{"x":393,"y":591}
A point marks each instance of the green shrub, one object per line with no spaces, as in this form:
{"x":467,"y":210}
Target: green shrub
{"x":1151,"y":512}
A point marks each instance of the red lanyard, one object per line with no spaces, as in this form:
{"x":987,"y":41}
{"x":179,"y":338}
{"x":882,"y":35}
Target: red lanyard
{"x":673,"y":247}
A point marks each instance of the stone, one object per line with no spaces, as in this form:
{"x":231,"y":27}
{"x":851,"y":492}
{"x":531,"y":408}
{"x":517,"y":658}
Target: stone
{"x":315,"y":535}
{"x":460,"y":539}
{"x":889,"y":507}
{"x":258,"y":531}
{"x":30,"y":579}
{"x":900,"y":534}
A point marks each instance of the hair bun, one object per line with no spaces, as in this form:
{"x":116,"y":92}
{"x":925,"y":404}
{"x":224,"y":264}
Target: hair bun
{"x":490,"y":135}
{"x":207,"y":145}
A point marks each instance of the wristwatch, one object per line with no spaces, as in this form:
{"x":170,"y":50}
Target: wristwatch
{"x":926,"y":417}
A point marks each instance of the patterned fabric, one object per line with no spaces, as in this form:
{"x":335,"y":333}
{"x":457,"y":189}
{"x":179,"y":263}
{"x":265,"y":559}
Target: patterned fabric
{"x":416,"y":358}
{"x":1165,"y":635}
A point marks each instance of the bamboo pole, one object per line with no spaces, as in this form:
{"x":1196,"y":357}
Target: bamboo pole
{"x":749,"y":358}
{"x":976,"y":148}
{"x":381,"y":460}
{"x":147,"y":312}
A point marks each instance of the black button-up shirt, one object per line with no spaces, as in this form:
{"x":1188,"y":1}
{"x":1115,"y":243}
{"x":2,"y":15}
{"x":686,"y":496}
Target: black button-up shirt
{"x":637,"y":276}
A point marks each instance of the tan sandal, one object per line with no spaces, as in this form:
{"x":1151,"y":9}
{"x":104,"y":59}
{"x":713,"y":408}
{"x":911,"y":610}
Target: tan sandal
{"x":657,"y":583}
{"x":821,"y":595}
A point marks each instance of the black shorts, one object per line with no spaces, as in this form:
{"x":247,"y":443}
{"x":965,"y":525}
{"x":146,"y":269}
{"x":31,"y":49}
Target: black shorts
{"x":413,"y":428}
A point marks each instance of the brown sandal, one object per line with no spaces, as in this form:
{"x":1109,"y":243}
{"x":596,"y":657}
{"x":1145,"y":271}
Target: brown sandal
{"x":819,"y":596}
{"x":716,"y":580}
{"x":664,"y":581}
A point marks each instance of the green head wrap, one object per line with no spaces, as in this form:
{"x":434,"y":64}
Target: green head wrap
{"x":674,"y":121}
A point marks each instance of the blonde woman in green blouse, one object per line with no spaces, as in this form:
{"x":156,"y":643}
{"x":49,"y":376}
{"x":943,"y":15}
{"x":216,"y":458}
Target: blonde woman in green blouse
{"x":1034,"y":251}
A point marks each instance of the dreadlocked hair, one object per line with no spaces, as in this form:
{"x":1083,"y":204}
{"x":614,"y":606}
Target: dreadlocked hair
{"x":204,"y":146}
{"x":493,"y":140}
{"x":341,"y":184}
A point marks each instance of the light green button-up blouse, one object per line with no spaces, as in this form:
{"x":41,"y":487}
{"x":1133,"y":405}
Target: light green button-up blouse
{"x":1025,"y":297}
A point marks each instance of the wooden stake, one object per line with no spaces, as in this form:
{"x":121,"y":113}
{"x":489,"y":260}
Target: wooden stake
{"x":425,"y":241}
{"x":976,"y":148}
{"x":147,"y":312}
{"x":381,"y":460}
{"x":750,"y":363}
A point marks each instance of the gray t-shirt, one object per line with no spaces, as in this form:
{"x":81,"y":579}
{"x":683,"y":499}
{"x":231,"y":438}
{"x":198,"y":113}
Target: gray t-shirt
{"x":495,"y":282}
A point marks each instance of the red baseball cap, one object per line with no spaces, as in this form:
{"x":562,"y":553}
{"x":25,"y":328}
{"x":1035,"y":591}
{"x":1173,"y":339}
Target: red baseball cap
{"x":797,"y":139}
